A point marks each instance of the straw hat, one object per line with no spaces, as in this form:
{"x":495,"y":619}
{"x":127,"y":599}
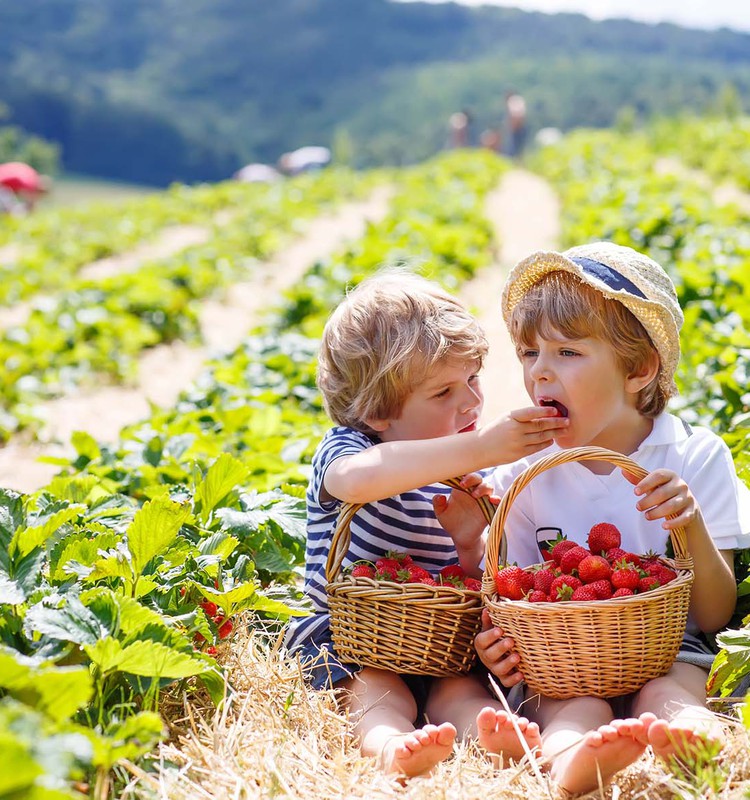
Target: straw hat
{"x":619,"y":273}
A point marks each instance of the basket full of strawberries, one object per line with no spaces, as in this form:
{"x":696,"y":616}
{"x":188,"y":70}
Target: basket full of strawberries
{"x":393,"y":614}
{"x":592,"y":620}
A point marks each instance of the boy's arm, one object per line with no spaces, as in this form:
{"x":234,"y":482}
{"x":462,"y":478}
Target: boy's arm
{"x":664,"y":495}
{"x":389,"y":468}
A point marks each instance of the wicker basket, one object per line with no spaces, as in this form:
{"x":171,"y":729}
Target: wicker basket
{"x":601,"y":648}
{"x":408,"y":628}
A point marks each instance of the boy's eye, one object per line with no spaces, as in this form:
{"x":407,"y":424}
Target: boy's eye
{"x":566,"y":352}
{"x":528,"y":353}
{"x":442,"y":392}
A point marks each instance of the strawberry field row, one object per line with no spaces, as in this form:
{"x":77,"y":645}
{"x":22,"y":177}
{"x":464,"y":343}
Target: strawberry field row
{"x":109,"y":571}
{"x":93,"y":331}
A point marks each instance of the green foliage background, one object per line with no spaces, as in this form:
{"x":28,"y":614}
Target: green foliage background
{"x":190,"y":90}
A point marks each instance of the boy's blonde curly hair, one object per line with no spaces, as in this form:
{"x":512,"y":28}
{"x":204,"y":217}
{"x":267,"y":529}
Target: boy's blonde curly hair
{"x":383,"y":339}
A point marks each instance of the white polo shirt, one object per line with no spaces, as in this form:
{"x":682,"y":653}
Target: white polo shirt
{"x":570,"y":498}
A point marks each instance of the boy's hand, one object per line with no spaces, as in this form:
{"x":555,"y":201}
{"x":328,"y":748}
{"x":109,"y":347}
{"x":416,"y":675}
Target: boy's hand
{"x":523,"y":432}
{"x":665,"y":495}
{"x":460,"y":514}
{"x":495,"y":651}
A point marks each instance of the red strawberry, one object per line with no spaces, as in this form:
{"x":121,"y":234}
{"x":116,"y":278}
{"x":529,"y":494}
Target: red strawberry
{"x":389,"y":564}
{"x":386,"y":573}
{"x":563,"y":587}
{"x":210,"y":608}
{"x":363,"y":571}
{"x":538,"y":596}
{"x":546,"y":548}
{"x":560,"y":548}
{"x":603,"y":589}
{"x":594,"y":568}
{"x":584,"y":593}
{"x":474,"y":584}
{"x":572,"y":558}
{"x":513,"y":582}
{"x":625,"y":576}
{"x":603,"y":536}
{"x":543,"y":580}
{"x":225,"y":629}
{"x":397,"y":555}
{"x":633,"y":558}
{"x":452,"y":571}
{"x":429,"y":582}
{"x":413,"y":573}
{"x":618,"y":554}
{"x":648,"y":583}
{"x":623,"y":592}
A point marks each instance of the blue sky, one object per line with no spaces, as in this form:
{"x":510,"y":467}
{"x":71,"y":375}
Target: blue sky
{"x":690,"y":13}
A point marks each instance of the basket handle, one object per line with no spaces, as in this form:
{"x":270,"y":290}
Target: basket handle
{"x":497,"y":525}
{"x":342,"y":538}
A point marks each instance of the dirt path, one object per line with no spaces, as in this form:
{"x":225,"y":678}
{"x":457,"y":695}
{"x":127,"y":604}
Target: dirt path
{"x":525,"y":212}
{"x":165,"y":371}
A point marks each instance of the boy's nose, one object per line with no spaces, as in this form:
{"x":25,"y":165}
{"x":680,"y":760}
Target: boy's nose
{"x":539,"y":370}
{"x":473,"y":398}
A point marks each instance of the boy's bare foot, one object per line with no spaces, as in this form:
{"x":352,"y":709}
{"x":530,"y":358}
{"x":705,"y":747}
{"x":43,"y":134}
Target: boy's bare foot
{"x":602,"y":753}
{"x":685,"y":738}
{"x":418,"y":751}
{"x":498,"y":734}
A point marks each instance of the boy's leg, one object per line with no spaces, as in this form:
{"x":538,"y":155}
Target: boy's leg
{"x":384,"y":711}
{"x":583,"y":745}
{"x":684,"y":724}
{"x":466,"y":702}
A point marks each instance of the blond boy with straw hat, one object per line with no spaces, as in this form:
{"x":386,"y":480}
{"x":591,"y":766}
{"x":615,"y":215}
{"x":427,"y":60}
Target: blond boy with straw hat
{"x":596,"y":329}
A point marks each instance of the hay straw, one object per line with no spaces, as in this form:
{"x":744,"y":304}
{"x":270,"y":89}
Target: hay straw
{"x":276,"y":737}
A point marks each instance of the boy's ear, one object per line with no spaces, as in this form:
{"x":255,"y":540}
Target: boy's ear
{"x":643,"y":374}
{"x":378,"y":425}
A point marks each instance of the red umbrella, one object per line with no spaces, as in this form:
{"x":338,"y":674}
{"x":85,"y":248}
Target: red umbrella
{"x":19,"y":177}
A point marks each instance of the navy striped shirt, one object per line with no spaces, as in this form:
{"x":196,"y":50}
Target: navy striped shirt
{"x":406,"y":523}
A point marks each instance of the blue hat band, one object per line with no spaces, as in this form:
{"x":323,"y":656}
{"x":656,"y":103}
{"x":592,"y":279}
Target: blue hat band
{"x":608,"y":276}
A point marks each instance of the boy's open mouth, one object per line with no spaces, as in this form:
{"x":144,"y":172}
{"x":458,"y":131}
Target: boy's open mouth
{"x":468,"y":428}
{"x":562,"y":410}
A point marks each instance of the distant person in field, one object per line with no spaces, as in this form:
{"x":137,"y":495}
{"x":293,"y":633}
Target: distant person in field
{"x":491,"y":139}
{"x":21,"y":187}
{"x":399,"y":373}
{"x":459,"y":130}
{"x":597,"y":331}
{"x":515,"y":107}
